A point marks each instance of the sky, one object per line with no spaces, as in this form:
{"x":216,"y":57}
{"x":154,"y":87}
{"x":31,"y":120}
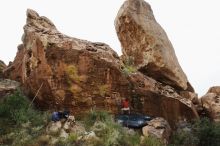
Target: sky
{"x":193,"y":27}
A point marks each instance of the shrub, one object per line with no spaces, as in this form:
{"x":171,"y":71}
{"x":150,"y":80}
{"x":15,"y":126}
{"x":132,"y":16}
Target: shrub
{"x":130,"y":139}
{"x":16,"y":109}
{"x":151,"y":141}
{"x":109,"y":132}
{"x":203,"y":133}
{"x":94,"y":116}
{"x":103,"y":89}
{"x":72,"y":72}
{"x":183,"y":138}
{"x":72,"y":138}
{"x":207,"y":132}
{"x":128,"y":66}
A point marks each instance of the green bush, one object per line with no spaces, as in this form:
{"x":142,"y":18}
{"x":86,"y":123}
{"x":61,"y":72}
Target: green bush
{"x":203,"y":133}
{"x":19,"y":122}
{"x":128,"y":66}
{"x":94,"y":116}
{"x":128,"y":69}
{"x":72,"y":138}
{"x":103,"y":89}
{"x":16,"y":109}
{"x":207,"y":132}
{"x":151,"y":141}
{"x":184,"y":138}
{"x":130,"y":139}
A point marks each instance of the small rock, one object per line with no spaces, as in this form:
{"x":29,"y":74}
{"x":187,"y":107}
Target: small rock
{"x":78,"y":129}
{"x":54,"y":127}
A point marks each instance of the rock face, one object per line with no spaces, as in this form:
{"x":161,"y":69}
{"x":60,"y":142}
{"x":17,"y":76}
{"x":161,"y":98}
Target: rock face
{"x":64,"y":72}
{"x":7,"y":87}
{"x":146,"y":43}
{"x":211,"y":103}
{"x":68,"y":72}
{"x":158,"y":128}
{"x":160,"y":100}
{"x":2,"y":67}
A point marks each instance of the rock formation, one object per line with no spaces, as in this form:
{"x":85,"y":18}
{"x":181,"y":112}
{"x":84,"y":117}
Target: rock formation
{"x":2,"y":67}
{"x":7,"y":87}
{"x":146,"y":44}
{"x":68,"y":72}
{"x":160,"y":100}
{"x":211,"y":103}
{"x":158,"y":128}
{"x":65,"y":72}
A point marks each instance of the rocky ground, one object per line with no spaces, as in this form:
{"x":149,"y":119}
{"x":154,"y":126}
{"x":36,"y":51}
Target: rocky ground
{"x":57,"y":72}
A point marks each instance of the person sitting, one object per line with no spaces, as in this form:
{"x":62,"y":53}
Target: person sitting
{"x":125,"y":106}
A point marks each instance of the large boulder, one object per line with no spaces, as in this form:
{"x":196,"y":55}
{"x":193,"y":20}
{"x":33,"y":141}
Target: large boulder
{"x":146,"y":44}
{"x":211,"y":103}
{"x":65,"y":72}
{"x":158,"y":128}
{"x":160,"y":100}
{"x":2,"y":67}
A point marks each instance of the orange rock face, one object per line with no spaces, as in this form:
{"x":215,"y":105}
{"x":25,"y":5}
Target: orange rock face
{"x":145,"y":42}
{"x":73,"y":73}
{"x":161,"y":100}
{"x":69,"y":73}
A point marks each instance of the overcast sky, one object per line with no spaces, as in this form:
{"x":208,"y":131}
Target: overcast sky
{"x":193,"y":27}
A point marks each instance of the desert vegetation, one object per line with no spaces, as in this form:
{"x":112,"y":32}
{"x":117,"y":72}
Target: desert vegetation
{"x":128,"y":66}
{"x":22,"y":124}
{"x":202,"y":133}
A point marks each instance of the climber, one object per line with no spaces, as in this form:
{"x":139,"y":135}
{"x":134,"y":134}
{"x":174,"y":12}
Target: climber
{"x":125,"y":106}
